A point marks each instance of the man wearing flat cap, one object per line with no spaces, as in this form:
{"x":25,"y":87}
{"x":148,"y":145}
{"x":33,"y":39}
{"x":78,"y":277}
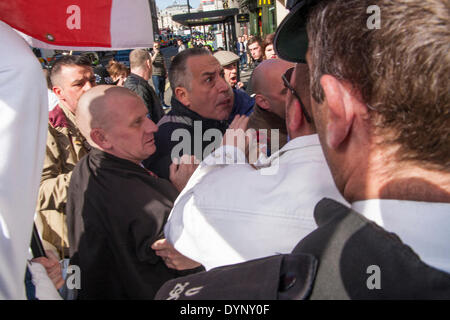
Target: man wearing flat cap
{"x":243,"y":103}
{"x":380,"y":103}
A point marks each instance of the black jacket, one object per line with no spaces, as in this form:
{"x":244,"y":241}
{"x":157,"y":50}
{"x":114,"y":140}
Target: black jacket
{"x":188,"y":140}
{"x":115,"y":211}
{"x":346,"y":257}
{"x":147,"y":93}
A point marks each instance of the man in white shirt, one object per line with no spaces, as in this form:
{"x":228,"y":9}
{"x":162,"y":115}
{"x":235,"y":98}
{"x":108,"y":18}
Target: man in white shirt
{"x":238,"y":212}
{"x":381,"y":108}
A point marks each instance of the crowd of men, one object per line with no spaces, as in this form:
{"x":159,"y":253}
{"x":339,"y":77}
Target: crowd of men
{"x":325,"y":177}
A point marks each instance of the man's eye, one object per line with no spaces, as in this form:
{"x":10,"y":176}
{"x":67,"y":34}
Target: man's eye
{"x":209,"y":79}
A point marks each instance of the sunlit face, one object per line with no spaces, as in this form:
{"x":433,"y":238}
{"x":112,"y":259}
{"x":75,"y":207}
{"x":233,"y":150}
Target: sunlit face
{"x":131,"y":132}
{"x":156,"y":45}
{"x":269,"y":52}
{"x":230,"y":73}
{"x":276,"y":92}
{"x":255,"y":50}
{"x":71,"y":83}
{"x":209,"y":95}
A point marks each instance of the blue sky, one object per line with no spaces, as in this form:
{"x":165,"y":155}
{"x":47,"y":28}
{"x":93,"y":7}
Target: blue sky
{"x":162,"y":4}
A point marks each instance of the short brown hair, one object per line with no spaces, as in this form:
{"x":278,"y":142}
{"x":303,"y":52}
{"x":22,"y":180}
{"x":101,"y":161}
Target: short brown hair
{"x":138,"y":57}
{"x":67,"y":60}
{"x":400,"y":70}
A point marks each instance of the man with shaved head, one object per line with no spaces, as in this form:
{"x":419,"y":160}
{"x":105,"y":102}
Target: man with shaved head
{"x":116,"y":208}
{"x":270,"y":93}
{"x":238,"y":212}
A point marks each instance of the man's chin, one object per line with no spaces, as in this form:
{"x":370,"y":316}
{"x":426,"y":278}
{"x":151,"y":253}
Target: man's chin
{"x":150,"y":149}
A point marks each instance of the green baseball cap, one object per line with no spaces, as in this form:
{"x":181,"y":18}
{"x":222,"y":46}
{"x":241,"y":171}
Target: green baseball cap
{"x":291,"y":39}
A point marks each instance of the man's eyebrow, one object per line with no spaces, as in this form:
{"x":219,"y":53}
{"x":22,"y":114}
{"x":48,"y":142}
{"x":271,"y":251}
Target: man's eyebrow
{"x":206,"y":73}
{"x":77,"y":81}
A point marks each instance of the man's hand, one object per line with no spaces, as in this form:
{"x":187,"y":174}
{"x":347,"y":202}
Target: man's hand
{"x":53,"y":268}
{"x":181,"y":170}
{"x":235,"y":134}
{"x":172,"y":258}
{"x":239,"y":137}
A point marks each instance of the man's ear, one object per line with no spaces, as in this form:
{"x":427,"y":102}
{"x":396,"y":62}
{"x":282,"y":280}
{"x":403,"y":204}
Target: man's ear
{"x":58,"y":91}
{"x":262,"y":102}
{"x":294,"y":116}
{"x":98,"y":136}
{"x":341,"y":109}
{"x":182,"y":95}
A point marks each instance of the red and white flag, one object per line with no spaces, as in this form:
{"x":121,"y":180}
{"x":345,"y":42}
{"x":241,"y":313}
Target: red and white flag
{"x":81,"y":24}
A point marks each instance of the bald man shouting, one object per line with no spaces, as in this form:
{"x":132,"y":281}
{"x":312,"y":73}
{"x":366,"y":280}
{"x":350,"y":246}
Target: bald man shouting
{"x":117,"y":209}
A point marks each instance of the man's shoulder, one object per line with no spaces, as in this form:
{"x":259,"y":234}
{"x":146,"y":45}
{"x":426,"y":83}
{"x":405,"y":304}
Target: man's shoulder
{"x":346,"y":257}
{"x":134,"y":81}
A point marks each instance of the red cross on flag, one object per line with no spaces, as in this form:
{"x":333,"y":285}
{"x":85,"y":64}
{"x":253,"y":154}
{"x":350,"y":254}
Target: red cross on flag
{"x":81,"y":24}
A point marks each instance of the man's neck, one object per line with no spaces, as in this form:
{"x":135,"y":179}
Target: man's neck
{"x":67,"y":108}
{"x":305,"y":130}
{"x":386,"y":178}
{"x":141,"y":73}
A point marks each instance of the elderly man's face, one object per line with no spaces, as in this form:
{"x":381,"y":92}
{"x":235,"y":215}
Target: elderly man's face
{"x":230,"y":73}
{"x":130,"y":131}
{"x":72,"y":82}
{"x":209,"y":95}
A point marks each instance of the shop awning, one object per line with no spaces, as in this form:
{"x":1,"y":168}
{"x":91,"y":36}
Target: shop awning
{"x":206,"y":17}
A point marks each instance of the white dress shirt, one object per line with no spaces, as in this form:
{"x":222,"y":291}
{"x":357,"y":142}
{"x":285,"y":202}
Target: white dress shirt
{"x":424,"y":226}
{"x":23,"y":132}
{"x":230,"y":213}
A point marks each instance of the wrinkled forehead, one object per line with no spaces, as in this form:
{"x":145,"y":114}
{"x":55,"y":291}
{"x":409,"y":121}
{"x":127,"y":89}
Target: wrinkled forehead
{"x":198,"y":65}
{"x":124,"y":106}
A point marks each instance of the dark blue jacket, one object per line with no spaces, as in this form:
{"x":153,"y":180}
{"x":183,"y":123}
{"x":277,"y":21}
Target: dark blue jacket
{"x":243,"y":104}
{"x":185,"y":141}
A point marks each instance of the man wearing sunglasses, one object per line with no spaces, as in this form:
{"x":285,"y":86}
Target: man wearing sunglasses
{"x":238,"y":212}
{"x":381,"y":108}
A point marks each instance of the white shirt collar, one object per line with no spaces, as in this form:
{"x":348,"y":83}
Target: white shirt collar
{"x":424,"y":226}
{"x":296,"y":143}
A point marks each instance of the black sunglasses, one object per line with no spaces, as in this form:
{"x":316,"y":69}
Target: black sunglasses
{"x":287,"y":83}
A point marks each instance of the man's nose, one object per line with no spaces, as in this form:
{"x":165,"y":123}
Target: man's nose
{"x":150,"y":126}
{"x":87,"y":86}
{"x":222,"y":84}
